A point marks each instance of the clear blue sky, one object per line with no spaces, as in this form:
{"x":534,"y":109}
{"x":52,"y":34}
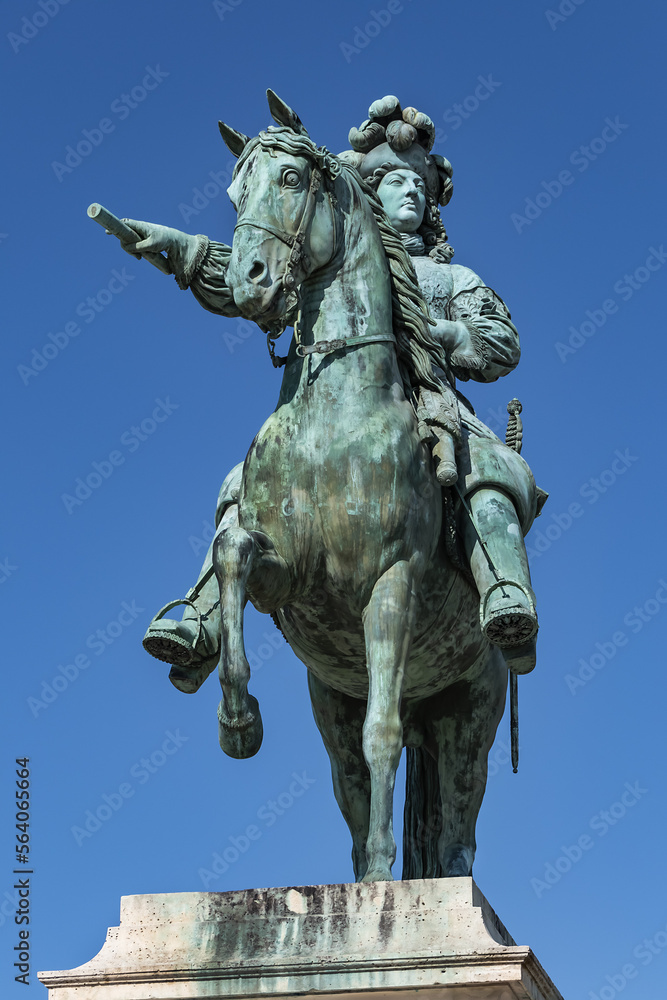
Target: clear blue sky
{"x":558,"y":152}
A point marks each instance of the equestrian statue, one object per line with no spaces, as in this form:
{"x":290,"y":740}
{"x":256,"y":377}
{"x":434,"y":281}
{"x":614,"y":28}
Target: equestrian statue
{"x":375,"y":517}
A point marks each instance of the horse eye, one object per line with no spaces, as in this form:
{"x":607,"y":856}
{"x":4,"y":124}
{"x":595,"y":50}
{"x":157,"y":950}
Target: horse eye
{"x":291,"y":178}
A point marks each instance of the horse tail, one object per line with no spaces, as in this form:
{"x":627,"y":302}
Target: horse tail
{"x":422,"y":816}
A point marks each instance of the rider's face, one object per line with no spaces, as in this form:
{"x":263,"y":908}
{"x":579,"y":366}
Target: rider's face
{"x":403,"y":196}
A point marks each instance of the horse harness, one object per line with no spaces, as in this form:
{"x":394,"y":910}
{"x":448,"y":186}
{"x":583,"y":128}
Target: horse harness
{"x":299,"y":259}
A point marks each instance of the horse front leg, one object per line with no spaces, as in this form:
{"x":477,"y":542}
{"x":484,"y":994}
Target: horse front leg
{"x":246,"y":565}
{"x":388,"y":627}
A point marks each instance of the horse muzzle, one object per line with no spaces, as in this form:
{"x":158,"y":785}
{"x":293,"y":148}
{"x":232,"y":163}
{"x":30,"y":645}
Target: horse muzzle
{"x":255,"y":276}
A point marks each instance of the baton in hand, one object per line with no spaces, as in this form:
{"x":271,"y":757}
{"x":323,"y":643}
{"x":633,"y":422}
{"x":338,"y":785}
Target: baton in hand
{"x":127,"y":235}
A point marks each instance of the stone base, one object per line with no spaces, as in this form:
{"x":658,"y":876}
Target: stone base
{"x":437,"y":937}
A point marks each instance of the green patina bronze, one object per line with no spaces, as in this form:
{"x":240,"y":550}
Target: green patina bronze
{"x":375,"y":517}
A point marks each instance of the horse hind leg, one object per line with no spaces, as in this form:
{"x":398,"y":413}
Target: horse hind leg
{"x":246,"y":564}
{"x":340,"y":720}
{"x":463,"y":727}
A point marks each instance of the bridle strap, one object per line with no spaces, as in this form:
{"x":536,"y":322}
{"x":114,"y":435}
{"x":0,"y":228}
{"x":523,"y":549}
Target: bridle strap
{"x":296,"y":240}
{"x":288,"y":239}
{"x":296,"y":243}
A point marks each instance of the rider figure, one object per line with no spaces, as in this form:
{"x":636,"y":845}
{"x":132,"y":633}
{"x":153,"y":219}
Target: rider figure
{"x":496,"y":495}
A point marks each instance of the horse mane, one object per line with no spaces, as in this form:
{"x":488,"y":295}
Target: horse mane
{"x":417,"y":350}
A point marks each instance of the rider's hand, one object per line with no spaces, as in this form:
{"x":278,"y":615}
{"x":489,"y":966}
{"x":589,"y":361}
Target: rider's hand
{"x":179,"y":247}
{"x":452,"y":335}
{"x":455,"y":338}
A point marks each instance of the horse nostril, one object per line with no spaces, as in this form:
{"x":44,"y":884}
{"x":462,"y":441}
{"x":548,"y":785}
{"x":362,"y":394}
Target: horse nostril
{"x":257,"y":271}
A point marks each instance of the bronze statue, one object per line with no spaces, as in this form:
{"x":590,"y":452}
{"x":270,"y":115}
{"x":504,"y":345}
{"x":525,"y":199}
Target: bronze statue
{"x":375,"y":517}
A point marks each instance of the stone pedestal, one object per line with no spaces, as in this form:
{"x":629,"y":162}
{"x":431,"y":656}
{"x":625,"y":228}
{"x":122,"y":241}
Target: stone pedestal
{"x":437,"y":937}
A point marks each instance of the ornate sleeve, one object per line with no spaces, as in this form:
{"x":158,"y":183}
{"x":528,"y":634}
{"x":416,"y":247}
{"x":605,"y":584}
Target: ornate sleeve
{"x":208,"y":282}
{"x":492,"y":341}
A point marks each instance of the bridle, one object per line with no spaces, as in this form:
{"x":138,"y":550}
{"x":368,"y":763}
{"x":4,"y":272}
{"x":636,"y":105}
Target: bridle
{"x":297,"y":257}
{"x":299,"y":260}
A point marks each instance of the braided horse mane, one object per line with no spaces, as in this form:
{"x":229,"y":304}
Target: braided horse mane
{"x":417,"y":350}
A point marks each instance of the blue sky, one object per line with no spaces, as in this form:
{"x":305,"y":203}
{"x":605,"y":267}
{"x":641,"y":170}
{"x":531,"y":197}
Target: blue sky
{"x":550,"y":117}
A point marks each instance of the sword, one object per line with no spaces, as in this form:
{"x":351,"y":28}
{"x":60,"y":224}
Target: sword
{"x":117,"y":228}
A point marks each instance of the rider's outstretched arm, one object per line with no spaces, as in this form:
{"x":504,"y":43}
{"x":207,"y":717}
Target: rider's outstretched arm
{"x":197,"y":262}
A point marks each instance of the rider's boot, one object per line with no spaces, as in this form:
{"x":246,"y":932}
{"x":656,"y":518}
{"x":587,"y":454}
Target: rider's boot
{"x":192,"y":645}
{"x":497,"y":557}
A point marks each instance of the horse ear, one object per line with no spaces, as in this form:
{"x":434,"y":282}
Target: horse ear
{"x":235,"y":141}
{"x":283,"y":114}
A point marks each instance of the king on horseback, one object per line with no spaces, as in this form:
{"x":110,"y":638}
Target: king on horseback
{"x":496,"y":495}
{"x":373,"y":484}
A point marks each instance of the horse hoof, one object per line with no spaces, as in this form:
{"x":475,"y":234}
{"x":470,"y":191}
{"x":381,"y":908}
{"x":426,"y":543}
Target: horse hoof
{"x":242,"y":737}
{"x":378,"y":874}
{"x":457,"y":861}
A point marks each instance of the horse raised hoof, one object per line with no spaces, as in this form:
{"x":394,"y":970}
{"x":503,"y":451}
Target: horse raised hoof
{"x":241,"y":737}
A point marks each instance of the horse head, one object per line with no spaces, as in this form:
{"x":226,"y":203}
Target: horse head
{"x":285,"y":231}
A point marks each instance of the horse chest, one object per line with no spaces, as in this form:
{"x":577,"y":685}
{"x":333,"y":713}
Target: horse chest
{"x":354,"y":444}
{"x":345,"y":488}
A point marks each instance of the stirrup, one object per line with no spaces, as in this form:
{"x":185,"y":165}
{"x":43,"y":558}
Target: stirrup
{"x":511,"y":624}
{"x":164,"y":641}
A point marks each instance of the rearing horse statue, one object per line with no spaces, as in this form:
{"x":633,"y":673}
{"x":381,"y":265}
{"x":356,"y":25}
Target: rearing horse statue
{"x":340,"y":516}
